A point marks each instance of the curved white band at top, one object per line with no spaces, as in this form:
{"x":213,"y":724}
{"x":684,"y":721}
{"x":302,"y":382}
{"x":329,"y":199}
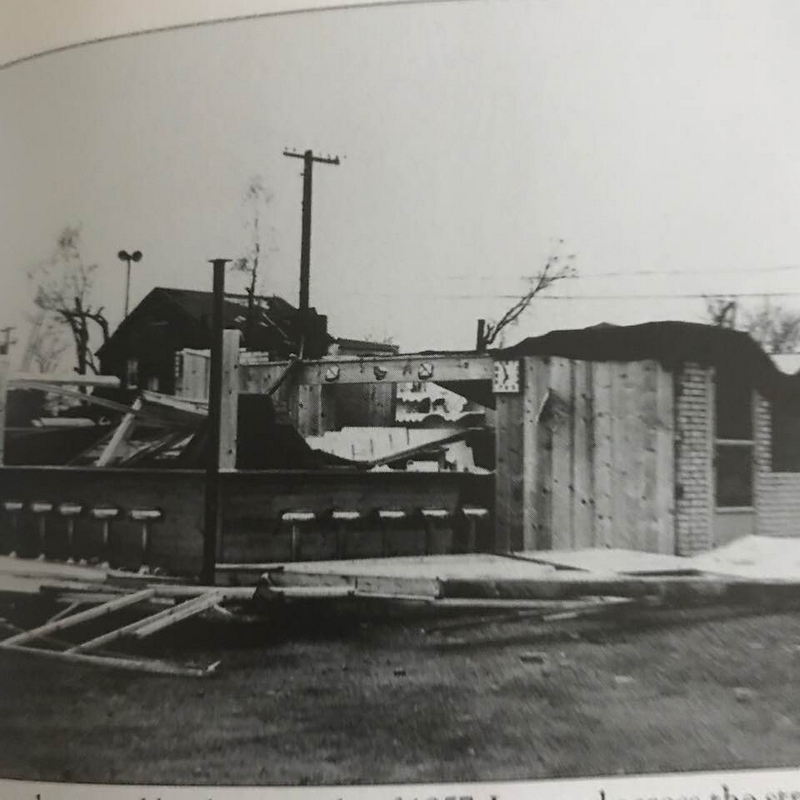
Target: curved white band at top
{"x":31,"y":28}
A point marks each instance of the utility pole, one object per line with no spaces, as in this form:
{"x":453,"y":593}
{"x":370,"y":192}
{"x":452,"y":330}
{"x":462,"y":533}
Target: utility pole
{"x":305,"y":243}
{"x":5,"y":345}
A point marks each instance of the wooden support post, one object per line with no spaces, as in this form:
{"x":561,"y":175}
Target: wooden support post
{"x":229,"y":399}
{"x":4,"y":374}
{"x":212,"y":517}
{"x":507,"y":386}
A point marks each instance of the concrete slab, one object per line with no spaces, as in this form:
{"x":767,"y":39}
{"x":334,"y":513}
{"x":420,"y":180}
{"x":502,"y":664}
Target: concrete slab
{"x":26,"y":576}
{"x":441,"y":567}
{"x":610,"y":560}
{"x":755,"y":557}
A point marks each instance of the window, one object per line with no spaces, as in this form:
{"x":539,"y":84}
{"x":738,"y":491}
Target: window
{"x":733,"y":456}
{"x":734,"y":476}
{"x":132,"y":373}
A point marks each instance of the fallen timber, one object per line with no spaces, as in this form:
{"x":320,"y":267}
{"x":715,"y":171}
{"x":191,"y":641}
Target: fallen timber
{"x":507,"y":586}
{"x":449,"y":581}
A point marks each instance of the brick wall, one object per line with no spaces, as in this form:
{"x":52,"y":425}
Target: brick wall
{"x":694,"y":412}
{"x":777,"y":493}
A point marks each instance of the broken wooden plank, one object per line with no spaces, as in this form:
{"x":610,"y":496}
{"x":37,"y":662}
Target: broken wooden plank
{"x":149,"y":625}
{"x":180,"y":612}
{"x":132,"y":664}
{"x":81,"y":616}
{"x":120,"y":435}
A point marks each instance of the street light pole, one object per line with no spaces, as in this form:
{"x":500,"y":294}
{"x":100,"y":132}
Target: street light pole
{"x":135,"y":256}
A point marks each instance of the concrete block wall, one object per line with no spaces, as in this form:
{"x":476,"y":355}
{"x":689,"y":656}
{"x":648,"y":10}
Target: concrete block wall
{"x":694,"y":432}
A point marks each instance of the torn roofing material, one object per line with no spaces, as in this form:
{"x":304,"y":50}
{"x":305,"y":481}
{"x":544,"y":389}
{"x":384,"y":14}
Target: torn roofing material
{"x":671,"y":343}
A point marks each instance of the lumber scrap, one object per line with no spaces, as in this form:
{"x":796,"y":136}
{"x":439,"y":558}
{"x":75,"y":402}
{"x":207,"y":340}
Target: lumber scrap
{"x":120,"y":435}
{"x":670,"y":590}
{"x":149,"y":625}
{"x":149,"y":665}
{"x":82,"y":616}
{"x":391,"y":586}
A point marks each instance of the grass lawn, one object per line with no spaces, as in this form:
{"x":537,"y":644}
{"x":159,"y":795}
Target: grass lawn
{"x":329,"y":698}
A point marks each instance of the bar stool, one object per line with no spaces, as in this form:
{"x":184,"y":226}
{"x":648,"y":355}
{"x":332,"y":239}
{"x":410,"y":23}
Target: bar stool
{"x":106,"y":515}
{"x":341,"y":518}
{"x":430,"y":516}
{"x":69,"y":511}
{"x":13,"y":509}
{"x":145,"y":516}
{"x":300,"y":521}
{"x":474,"y":518}
{"x":387,"y":517}
{"x":41,"y":509}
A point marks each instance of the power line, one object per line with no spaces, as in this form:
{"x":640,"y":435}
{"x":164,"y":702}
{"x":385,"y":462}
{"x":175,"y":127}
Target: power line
{"x":627,"y":273}
{"x":651,"y":296}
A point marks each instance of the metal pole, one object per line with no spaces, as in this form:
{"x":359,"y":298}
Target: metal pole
{"x":127,"y":286}
{"x":212,"y":496}
{"x":305,"y":243}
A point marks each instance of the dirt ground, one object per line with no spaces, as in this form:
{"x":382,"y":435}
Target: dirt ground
{"x":333,"y":697}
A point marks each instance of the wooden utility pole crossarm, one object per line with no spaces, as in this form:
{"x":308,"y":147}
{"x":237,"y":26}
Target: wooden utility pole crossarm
{"x":309,"y":159}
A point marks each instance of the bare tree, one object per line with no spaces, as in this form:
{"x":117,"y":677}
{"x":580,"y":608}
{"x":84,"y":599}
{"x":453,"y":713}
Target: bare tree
{"x":775,"y":328}
{"x":556,"y":268}
{"x":256,"y":199}
{"x":63,"y":289}
{"x":722,"y":311}
{"x":46,"y":345}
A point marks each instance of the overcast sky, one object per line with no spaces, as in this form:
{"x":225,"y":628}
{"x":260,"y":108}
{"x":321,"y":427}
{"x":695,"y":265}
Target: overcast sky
{"x":652,"y":137}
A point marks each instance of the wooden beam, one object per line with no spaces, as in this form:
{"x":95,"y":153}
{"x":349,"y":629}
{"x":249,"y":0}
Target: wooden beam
{"x":435,"y":368}
{"x":81,"y":616}
{"x":132,"y":664}
{"x":63,"y":379}
{"x":122,"y":432}
{"x":149,"y":625}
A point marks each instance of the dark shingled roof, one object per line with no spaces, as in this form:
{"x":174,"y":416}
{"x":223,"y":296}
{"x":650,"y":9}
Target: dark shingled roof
{"x":669,"y":342}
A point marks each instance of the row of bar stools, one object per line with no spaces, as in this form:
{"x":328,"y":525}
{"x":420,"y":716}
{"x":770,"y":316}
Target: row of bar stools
{"x":429,"y":531}
{"x":69,"y":512}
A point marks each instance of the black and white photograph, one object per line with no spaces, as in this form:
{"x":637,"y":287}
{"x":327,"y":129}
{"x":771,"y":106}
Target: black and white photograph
{"x":400,"y":394}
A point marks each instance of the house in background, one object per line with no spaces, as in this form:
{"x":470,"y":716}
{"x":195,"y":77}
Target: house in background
{"x":142,"y":350}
